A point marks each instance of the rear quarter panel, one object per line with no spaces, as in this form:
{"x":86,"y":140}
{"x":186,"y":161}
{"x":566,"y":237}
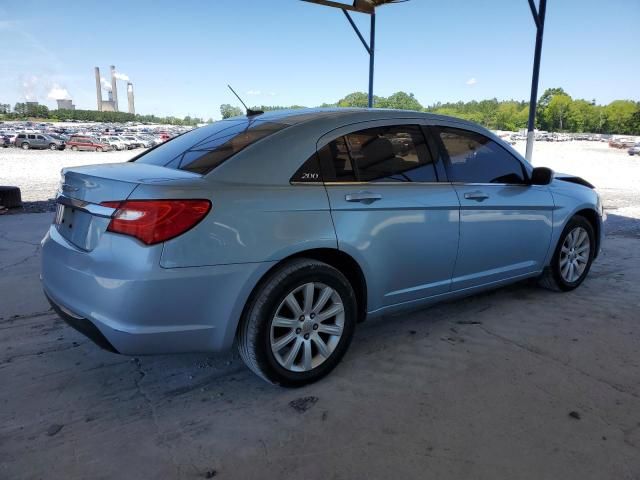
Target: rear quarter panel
{"x":256,"y":215}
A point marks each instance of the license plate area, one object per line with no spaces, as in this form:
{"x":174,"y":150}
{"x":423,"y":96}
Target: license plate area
{"x":64,"y":217}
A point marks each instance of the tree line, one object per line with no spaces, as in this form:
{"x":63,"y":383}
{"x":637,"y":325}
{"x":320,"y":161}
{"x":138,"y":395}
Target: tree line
{"x":557,"y":111}
{"x":23,"y":111}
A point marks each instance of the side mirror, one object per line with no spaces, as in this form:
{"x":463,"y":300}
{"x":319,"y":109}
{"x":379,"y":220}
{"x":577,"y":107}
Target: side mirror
{"x":541,"y":176}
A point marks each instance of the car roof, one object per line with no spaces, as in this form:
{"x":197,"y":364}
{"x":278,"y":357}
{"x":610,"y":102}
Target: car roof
{"x":343,"y":115}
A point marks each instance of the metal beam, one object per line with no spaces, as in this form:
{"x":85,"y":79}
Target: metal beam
{"x":372,"y":45}
{"x":534,"y":12}
{"x":539,"y":20}
{"x":357,"y":30}
{"x":342,"y":6}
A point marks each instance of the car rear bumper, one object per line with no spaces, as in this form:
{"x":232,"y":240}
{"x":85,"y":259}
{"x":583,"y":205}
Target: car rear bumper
{"x":129,"y":304}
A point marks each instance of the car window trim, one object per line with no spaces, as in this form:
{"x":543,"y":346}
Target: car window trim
{"x":420,"y":126}
{"x":435,"y":130}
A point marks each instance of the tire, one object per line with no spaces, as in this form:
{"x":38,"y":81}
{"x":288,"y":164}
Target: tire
{"x":53,"y":146}
{"x":257,"y":334}
{"x":10,"y":197}
{"x":554,"y":278}
{"x":98,"y":149}
{"x":74,"y":148}
{"x":25,"y":146}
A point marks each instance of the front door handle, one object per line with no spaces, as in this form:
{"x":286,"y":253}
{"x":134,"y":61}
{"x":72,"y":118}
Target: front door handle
{"x":362,"y":197}
{"x":477,"y":196}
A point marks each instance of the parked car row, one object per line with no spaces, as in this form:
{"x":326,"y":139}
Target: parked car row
{"x":94,"y":136}
{"x":40,"y":141}
{"x":622,"y":142}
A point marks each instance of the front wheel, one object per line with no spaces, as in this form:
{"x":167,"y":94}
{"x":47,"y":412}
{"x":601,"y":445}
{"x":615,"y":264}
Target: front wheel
{"x":298,"y":324}
{"x":573,"y":256}
{"x":98,"y":149}
{"x":53,"y":146}
{"x":74,"y":148}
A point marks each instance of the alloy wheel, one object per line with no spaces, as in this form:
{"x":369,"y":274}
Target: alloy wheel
{"x":574,"y":254}
{"x":307,"y":327}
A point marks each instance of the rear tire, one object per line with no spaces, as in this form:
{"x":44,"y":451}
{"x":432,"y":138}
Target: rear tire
{"x":25,"y":146}
{"x":572,"y":258}
{"x":318,"y":337}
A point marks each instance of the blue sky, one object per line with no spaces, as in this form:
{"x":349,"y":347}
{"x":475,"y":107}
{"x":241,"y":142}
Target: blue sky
{"x":181,"y":55}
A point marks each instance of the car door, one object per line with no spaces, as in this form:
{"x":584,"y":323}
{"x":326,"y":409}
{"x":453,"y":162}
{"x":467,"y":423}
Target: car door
{"x":389,"y":211}
{"x":505,"y":223}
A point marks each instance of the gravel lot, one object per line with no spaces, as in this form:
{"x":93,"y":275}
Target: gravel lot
{"x":37,"y":172}
{"x":518,"y":383}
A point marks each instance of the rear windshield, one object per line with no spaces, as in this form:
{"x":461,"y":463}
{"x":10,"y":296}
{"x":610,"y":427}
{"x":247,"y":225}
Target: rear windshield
{"x":203,"y":149}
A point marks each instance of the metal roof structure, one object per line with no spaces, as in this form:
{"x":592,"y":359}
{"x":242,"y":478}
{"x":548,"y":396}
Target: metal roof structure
{"x":369,"y":7}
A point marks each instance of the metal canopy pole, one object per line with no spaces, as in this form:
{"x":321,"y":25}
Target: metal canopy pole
{"x":372,"y":43}
{"x":538,"y":18}
{"x":368,"y":47}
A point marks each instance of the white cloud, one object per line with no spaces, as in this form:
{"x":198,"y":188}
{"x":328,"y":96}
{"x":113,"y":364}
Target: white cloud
{"x":106,"y":86}
{"x":472,"y":81}
{"x":58,"y":93}
{"x":272,"y":94}
{"x":253,"y":92}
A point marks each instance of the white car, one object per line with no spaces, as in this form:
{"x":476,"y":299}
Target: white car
{"x":145,"y":142}
{"x":114,"y":142}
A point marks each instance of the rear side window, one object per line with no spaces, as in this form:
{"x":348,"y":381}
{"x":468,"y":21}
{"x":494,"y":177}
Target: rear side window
{"x":203,"y":149}
{"x":389,"y":154}
{"x":474,"y":158}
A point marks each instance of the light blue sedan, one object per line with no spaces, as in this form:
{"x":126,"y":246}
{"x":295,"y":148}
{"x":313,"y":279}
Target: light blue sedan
{"x":281,"y":231}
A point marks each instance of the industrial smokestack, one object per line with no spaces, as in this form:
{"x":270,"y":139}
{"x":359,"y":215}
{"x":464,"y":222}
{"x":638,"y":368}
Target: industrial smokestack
{"x":98,"y":89}
{"x":132,"y":108}
{"x":114,"y":88}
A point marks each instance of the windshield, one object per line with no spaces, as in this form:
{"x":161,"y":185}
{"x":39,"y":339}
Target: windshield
{"x":202,"y":149}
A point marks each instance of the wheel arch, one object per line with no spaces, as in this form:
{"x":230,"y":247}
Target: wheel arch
{"x":592,"y":217}
{"x":338,"y":259}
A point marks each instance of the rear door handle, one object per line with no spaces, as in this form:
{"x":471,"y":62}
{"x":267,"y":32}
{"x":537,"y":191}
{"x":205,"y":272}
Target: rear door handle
{"x":363,"y":197}
{"x":477,"y":196}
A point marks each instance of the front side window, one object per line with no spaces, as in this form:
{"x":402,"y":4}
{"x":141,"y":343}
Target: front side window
{"x":382,"y":154}
{"x":474,"y":158}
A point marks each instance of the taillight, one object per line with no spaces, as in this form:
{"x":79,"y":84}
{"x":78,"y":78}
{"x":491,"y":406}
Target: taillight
{"x":155,"y":221}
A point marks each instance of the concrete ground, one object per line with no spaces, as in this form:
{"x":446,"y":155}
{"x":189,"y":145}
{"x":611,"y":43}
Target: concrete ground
{"x":517,"y":383}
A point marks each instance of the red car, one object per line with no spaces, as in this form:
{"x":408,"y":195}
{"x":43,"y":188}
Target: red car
{"x":87,"y":143}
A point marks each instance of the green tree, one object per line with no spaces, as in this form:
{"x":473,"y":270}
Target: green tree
{"x":620,"y":115}
{"x":555,"y":113}
{"x":20,"y":108}
{"x":582,"y":117}
{"x":511,"y":115}
{"x":543,"y":103}
{"x":227,"y":111}
{"x":400,"y":101}
{"x":355,"y":99}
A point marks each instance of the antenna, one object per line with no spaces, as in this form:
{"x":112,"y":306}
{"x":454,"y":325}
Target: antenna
{"x":250,"y":113}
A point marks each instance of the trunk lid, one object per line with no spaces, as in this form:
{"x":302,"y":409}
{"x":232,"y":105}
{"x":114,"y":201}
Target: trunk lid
{"x":79,"y":217}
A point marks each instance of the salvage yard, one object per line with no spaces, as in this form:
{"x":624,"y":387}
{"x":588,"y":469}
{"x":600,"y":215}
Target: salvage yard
{"x":517,"y":383}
